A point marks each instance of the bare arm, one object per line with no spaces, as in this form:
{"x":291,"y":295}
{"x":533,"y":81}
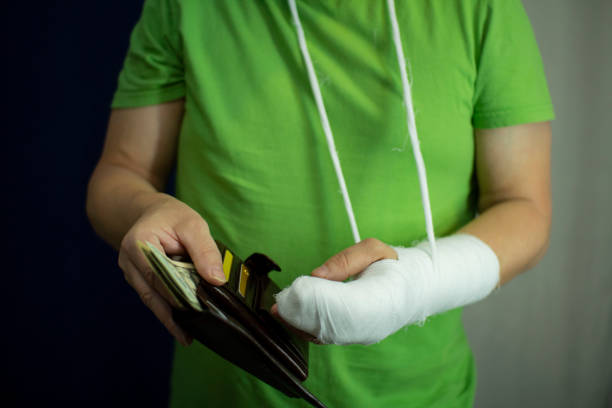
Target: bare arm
{"x":125,"y":204}
{"x":138,"y":155}
{"x":513,"y":170}
{"x":512,"y":166}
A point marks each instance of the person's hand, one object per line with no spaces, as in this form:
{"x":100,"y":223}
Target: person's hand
{"x":349,"y":262}
{"x":354,"y":259}
{"x":390,"y":293}
{"x":175,"y":229}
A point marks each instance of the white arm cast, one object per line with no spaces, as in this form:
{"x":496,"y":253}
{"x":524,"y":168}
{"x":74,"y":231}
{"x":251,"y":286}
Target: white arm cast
{"x":391,"y":294}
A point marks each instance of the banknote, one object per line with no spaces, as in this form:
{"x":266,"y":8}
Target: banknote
{"x":179,"y":277}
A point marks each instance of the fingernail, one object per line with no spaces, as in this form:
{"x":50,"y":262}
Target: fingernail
{"x":321,"y":271}
{"x":218,"y":275}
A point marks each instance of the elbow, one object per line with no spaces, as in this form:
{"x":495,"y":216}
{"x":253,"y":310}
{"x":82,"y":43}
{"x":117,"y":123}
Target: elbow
{"x":544,"y":233}
{"x":543,"y":248}
{"x":92,"y":205}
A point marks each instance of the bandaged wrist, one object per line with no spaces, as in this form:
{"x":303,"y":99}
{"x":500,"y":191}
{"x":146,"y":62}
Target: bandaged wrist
{"x":391,"y":294}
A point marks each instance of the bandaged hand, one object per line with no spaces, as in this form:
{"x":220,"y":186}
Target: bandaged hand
{"x":390,"y":293}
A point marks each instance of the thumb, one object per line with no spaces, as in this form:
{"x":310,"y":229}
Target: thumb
{"x":354,"y":259}
{"x":202,"y":250}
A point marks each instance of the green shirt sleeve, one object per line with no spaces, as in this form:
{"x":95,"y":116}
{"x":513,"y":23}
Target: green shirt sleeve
{"x":153,"y":70}
{"x":511,"y":86}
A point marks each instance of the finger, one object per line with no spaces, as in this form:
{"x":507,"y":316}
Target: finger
{"x":195,"y":237}
{"x":131,"y":254}
{"x":298,"y":332}
{"x":354,"y":259}
{"x":160,"y":308}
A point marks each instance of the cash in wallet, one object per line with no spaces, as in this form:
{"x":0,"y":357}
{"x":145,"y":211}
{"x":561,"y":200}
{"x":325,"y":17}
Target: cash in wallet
{"x":233,"y":319}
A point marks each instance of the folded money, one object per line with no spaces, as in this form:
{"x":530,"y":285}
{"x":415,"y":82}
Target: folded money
{"x":180,"y":278}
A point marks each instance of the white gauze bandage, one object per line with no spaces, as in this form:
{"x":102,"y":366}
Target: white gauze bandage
{"x":391,"y":294}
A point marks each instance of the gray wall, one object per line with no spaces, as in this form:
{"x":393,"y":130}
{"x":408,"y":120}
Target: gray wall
{"x":545,"y":339}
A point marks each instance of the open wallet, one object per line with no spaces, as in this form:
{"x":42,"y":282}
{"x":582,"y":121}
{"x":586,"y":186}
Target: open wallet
{"x":233,"y":320}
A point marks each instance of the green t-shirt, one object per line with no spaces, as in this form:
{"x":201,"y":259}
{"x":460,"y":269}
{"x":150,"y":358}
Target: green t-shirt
{"x":253,"y":160}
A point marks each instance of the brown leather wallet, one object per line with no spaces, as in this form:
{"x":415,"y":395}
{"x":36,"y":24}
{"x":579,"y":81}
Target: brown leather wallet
{"x":236,"y":324}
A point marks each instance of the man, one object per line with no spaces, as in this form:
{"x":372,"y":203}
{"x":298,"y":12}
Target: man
{"x":220,"y":90}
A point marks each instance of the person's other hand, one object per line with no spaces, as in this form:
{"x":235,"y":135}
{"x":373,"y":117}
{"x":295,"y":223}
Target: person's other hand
{"x":349,"y":262}
{"x":176,"y":229}
{"x":354,"y":259}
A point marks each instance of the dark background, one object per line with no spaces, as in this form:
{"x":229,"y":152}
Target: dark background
{"x":76,"y":332}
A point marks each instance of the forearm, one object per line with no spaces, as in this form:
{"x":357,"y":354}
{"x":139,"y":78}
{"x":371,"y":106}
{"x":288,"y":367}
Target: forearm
{"x":116,"y":198}
{"x":509,"y":236}
{"x":517,"y":230}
